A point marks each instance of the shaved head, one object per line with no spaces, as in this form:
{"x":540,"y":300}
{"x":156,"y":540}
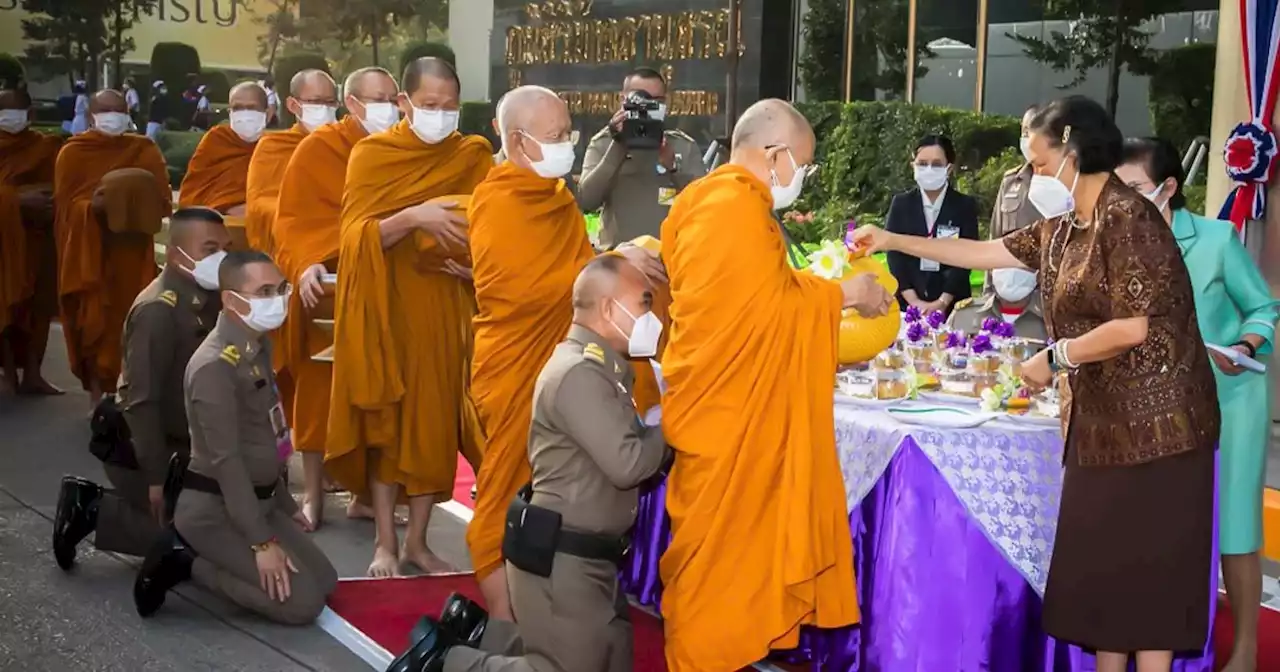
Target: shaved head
{"x":428,"y":67}
{"x":771,"y":122}
{"x":608,"y":295}
{"x":312,"y":82}
{"x":107,"y":100}
{"x":522,"y":104}
{"x":528,"y":118}
{"x":358,"y":82}
{"x":247,"y":96}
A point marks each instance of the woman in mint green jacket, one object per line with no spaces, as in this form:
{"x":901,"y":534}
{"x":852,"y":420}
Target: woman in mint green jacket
{"x":1235,"y":309}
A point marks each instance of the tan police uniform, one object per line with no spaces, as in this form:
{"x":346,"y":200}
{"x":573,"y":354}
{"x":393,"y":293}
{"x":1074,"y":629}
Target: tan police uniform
{"x":589,"y":454}
{"x":167,"y":322}
{"x":971,"y":313}
{"x":625,"y":185}
{"x":1013,"y":210}
{"x":236,"y":428}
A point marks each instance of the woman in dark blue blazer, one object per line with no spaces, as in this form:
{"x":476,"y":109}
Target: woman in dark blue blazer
{"x":934,"y":210}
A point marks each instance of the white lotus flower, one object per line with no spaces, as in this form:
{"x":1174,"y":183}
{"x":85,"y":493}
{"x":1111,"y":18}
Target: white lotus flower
{"x":991,"y":400}
{"x":829,"y":261}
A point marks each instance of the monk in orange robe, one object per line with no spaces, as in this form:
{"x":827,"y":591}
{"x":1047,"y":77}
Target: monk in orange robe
{"x":528,"y":244}
{"x":100,"y":272}
{"x":312,"y":88}
{"x":28,"y":260}
{"x":760,"y":534}
{"x":219,"y":170}
{"x":306,"y":233}
{"x":402,"y":341}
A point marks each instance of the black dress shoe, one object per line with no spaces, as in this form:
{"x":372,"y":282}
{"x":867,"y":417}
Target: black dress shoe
{"x":429,"y":642}
{"x":464,"y":620}
{"x":167,"y":564}
{"x":76,"y":517}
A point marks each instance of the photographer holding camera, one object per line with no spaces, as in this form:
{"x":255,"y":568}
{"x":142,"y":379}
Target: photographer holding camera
{"x":634,"y":168}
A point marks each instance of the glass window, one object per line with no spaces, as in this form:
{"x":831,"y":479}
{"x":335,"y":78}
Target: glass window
{"x":947,"y":53}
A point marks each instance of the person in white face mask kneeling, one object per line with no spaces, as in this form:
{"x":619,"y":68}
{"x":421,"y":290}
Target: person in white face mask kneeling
{"x":236,"y":530}
{"x":1012,"y":298}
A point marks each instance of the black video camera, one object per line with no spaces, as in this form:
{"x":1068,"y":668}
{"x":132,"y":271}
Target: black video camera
{"x":639,"y":129}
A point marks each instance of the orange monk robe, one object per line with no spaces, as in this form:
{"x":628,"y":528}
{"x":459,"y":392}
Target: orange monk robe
{"x":306,"y":230}
{"x":402,"y":340}
{"x":760,"y":535}
{"x":100,"y":273}
{"x":26,"y":160}
{"x":218,"y":172}
{"x":528,"y":243}
{"x":266,"y":172}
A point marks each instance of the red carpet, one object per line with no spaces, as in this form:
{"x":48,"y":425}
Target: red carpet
{"x":386,"y":610}
{"x":1268,"y":637}
{"x":462,"y":483}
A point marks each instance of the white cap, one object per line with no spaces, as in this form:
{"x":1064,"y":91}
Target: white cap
{"x":157,"y":84}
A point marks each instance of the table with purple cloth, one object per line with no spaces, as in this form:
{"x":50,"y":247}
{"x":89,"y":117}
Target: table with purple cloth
{"x":952,"y":533}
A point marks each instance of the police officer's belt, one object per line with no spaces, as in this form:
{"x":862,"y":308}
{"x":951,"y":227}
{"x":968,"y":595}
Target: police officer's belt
{"x":534,"y":536}
{"x":592,"y":546}
{"x":201,"y":483}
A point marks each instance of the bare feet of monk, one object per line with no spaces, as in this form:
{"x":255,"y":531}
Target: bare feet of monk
{"x":37,"y":386}
{"x":385,"y":563}
{"x":314,"y":511}
{"x":357,"y":510}
{"x":420,"y":557}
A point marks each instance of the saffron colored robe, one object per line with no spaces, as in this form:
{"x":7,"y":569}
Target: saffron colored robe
{"x":218,"y":173}
{"x":26,"y":160}
{"x":402,"y":339}
{"x":306,"y":230}
{"x":760,"y":535}
{"x":528,"y":243}
{"x":266,"y":172}
{"x":99,"y":272}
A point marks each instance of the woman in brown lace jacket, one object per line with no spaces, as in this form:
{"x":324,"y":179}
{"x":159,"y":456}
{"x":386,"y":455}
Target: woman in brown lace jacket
{"x":1135,"y":530}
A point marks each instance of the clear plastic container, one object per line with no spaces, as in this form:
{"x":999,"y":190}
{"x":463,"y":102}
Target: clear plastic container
{"x":890,"y":384}
{"x":955,"y":381}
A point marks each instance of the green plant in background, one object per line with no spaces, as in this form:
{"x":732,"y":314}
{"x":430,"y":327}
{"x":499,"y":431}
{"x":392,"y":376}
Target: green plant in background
{"x":476,"y":118}
{"x":177,"y":148}
{"x":1180,"y":94}
{"x":290,"y":65}
{"x":218,"y":83}
{"x":984,"y":183}
{"x":173,"y":63}
{"x":1195,"y":195}
{"x":422,"y":49}
{"x":820,"y":66}
{"x":11,"y":71}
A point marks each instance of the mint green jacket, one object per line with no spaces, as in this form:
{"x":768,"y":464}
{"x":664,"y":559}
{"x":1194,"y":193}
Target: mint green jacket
{"x":1232,"y":298}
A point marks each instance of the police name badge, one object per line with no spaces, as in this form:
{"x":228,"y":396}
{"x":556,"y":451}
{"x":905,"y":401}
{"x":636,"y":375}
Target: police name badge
{"x":280,"y":427}
{"x":666,"y":195}
{"x":930,"y":266}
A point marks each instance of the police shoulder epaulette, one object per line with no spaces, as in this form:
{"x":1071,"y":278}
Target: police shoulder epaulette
{"x":170,"y":297}
{"x":964,"y":303}
{"x":230,"y":355}
{"x":593,"y":352}
{"x":1013,"y":171}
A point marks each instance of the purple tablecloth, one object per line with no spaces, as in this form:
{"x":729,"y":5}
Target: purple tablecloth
{"x":936,"y":592}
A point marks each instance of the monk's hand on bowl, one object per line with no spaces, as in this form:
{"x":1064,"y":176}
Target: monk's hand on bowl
{"x":870,"y":239}
{"x":646,"y":261}
{"x":863,"y":294}
{"x":310,"y":289}
{"x":458,"y":270}
{"x":441,"y":221}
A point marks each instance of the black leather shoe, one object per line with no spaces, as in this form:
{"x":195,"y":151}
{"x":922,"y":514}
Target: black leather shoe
{"x":76,"y":517}
{"x":429,"y":643}
{"x":167,"y":564}
{"x":464,"y":620}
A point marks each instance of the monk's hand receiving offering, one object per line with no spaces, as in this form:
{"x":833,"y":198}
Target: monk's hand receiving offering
{"x":441,"y":221}
{"x":871,"y":239}
{"x":863,"y":294}
{"x":310,"y":289}
{"x":646,"y":261}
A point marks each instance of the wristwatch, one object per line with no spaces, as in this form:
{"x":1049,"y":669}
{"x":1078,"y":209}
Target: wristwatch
{"x":1053,"y":360}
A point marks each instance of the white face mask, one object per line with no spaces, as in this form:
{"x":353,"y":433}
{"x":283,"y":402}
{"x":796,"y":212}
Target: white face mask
{"x":205,"y":271}
{"x":111,"y":123}
{"x":1050,"y":196}
{"x":785,"y":195}
{"x":1013,"y":284}
{"x":248,"y":124}
{"x":1024,"y":144}
{"x":931,"y":178}
{"x":315,"y":116}
{"x":646,"y":331}
{"x":265,"y":314}
{"x":379,"y":117}
{"x":433,"y":126}
{"x":1156,"y":194}
{"x":557,"y":158}
{"x":13,"y":121}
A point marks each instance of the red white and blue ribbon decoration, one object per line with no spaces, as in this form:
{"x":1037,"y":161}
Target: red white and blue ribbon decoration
{"x":1251,"y":149}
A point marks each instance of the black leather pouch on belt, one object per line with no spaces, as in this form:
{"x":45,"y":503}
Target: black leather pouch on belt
{"x":173,"y":483}
{"x":111,"y":441}
{"x":532,"y":535}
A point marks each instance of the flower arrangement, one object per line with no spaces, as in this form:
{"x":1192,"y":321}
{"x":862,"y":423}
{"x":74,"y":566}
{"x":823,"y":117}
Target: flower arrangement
{"x":956,"y":340}
{"x":981,"y":344}
{"x":917,"y":331}
{"x":830,"y":261}
{"x":936,"y":319}
{"x":911,"y":315}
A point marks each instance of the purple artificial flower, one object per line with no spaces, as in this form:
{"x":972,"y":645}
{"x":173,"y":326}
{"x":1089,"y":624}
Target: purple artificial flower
{"x":936,"y":319}
{"x":912,"y":315}
{"x":1004,"y":330}
{"x":955,"y":339}
{"x":989,"y":324}
{"x":981,"y":344}
{"x":916,"y":332}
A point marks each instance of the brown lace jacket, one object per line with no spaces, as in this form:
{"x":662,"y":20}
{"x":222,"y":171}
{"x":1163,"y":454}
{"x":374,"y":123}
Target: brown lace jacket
{"x":1159,"y":398}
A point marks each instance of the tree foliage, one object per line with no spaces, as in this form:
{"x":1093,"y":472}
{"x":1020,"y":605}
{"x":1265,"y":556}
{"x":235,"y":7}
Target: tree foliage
{"x":175,"y":63}
{"x":1180,"y":97}
{"x":280,"y":27}
{"x":416,"y":50}
{"x":879,"y":50}
{"x":11,"y":71}
{"x":821,"y":66}
{"x":74,"y":37}
{"x":369,"y":21}
{"x":1101,"y":34}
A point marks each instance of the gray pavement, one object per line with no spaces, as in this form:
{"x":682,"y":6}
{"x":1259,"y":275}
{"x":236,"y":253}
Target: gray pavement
{"x":51,"y":620}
